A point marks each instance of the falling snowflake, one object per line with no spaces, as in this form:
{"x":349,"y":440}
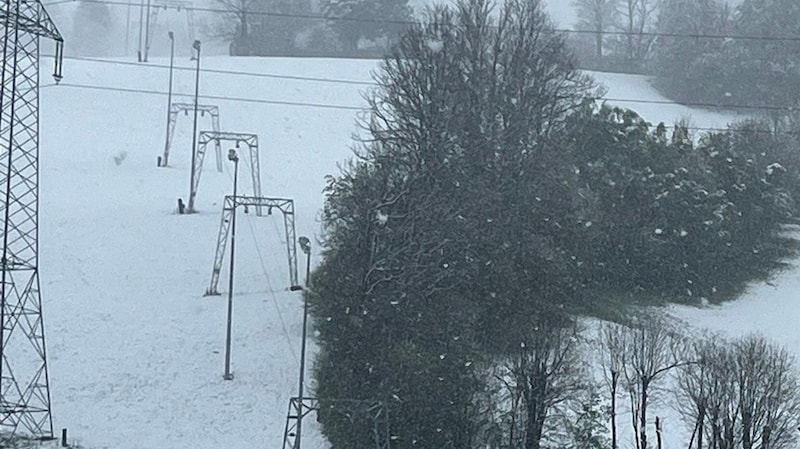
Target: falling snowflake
{"x":435,"y":45}
{"x":381,"y":217}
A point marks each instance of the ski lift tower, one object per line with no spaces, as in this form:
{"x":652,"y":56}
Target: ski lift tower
{"x":24,"y":379}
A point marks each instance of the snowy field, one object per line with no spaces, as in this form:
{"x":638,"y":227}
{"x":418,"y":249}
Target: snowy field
{"x":136,"y":351}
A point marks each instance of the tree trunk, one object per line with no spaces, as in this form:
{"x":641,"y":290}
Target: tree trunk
{"x":631,"y":13}
{"x":728,"y":429}
{"x":533,"y":433}
{"x":747,"y":427}
{"x":634,"y":421}
{"x":715,"y":432}
{"x":700,"y":426}
{"x":537,"y":411}
{"x":643,"y":416}
{"x":614,"y":377}
{"x":598,"y":42}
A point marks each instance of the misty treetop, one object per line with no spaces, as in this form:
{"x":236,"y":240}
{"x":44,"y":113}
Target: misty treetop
{"x":333,"y":28}
{"x":750,"y":57}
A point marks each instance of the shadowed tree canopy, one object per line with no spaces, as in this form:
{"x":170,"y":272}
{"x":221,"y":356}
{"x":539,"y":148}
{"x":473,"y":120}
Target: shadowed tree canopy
{"x":444,"y":229}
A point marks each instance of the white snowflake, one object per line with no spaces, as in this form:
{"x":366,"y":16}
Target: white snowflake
{"x":435,"y":45}
{"x":381,"y":217}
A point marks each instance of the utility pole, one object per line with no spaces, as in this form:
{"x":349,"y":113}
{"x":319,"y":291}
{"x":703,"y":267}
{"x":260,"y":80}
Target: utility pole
{"x":305,"y":246}
{"x":232,"y":156}
{"x":141,"y":22}
{"x":128,"y":30}
{"x":192,"y":193}
{"x":147,"y":31}
{"x":169,"y":95}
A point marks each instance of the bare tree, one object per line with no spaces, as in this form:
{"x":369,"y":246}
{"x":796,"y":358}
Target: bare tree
{"x":652,"y":349}
{"x":598,"y":16}
{"x":612,"y":350}
{"x":704,"y":387}
{"x":747,"y":390}
{"x":639,"y":18}
{"x":768,"y":395}
{"x":236,"y":23}
{"x":539,"y":380}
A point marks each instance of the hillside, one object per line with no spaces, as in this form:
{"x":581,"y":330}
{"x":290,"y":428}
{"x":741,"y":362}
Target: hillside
{"x":135,"y":349}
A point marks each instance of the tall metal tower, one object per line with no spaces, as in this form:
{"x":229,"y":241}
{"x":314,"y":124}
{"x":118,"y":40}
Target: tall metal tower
{"x":24,"y":379}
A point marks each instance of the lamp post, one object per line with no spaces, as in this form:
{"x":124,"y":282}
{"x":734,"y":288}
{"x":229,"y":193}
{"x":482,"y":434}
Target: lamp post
{"x":141,"y":23}
{"x":147,"y":32}
{"x":169,"y":95}
{"x":128,"y":30}
{"x":232,"y":156}
{"x":305,"y":246}
{"x":196,"y":55}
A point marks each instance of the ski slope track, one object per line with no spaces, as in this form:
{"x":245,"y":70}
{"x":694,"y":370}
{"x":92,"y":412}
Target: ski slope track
{"x":136,"y":352}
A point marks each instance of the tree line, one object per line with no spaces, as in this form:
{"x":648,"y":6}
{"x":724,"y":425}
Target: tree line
{"x":721,"y":52}
{"x":356,"y":28}
{"x":492,"y":200}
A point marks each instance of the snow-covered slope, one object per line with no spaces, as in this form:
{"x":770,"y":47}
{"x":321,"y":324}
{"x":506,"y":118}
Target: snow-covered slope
{"x":136,"y":351}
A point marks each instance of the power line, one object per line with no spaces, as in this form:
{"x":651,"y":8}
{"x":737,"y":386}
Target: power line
{"x":347,"y":108}
{"x":732,"y":106}
{"x":372,"y":84}
{"x":214,"y":97}
{"x":227,"y":72}
{"x":411,"y":22}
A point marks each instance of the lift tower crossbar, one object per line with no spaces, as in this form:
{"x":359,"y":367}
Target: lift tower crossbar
{"x":203,"y":109}
{"x":206,"y":137}
{"x":286,"y":206}
{"x":24,"y":379}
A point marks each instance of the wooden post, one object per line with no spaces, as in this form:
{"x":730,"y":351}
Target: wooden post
{"x":64,"y":437}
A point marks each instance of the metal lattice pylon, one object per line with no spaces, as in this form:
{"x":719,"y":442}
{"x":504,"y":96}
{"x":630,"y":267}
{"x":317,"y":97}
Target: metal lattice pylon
{"x":206,"y":137}
{"x":24,"y":379}
{"x":355,"y":410}
{"x":177,"y":108}
{"x":286,"y":206}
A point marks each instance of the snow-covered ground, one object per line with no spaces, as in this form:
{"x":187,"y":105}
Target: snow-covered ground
{"x":136,"y":351}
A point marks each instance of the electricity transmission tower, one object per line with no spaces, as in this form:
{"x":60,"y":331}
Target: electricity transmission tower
{"x":24,"y":379}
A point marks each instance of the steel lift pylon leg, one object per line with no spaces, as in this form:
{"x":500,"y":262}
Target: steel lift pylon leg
{"x":206,"y":137}
{"x":285,"y":206}
{"x":174,"y":110}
